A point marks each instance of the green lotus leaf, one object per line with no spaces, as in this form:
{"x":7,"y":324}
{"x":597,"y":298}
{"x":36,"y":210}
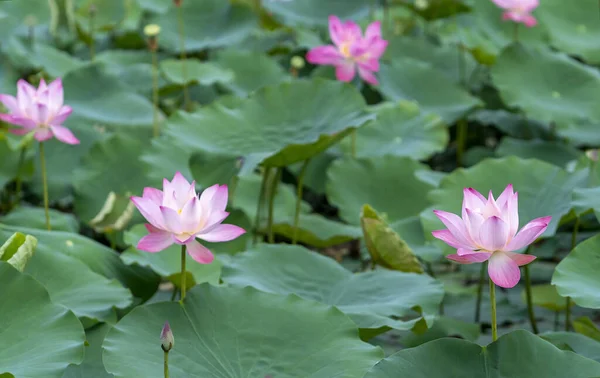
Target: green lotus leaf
{"x":34,"y":217}
{"x":252,"y":71}
{"x":18,"y":250}
{"x":444,"y":326}
{"x":100,"y":259}
{"x":386,"y":247}
{"x":553,"y":152}
{"x":26,"y":310}
{"x":221,"y":331}
{"x":402,"y":299}
{"x":585,"y":326}
{"x":413,"y":80}
{"x":546,"y":296}
{"x":316,"y":12}
{"x":544,"y":189}
{"x":316,"y":230}
{"x":547,"y":96}
{"x":86,"y":293}
{"x":107,"y":14}
{"x":111,"y":165}
{"x":401,"y":131}
{"x":585,"y":199}
{"x":529,"y":356}
{"x":579,"y":344}
{"x":353,"y":183}
{"x":196,"y":72}
{"x":575,"y":276}
{"x":208,"y":24}
{"x":92,"y":365}
{"x":573,"y":30}
{"x":278,"y":125}
{"x":54,"y":62}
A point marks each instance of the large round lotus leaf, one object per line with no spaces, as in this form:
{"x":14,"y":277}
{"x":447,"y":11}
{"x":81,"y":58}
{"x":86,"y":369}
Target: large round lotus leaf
{"x":196,"y":72}
{"x":573,"y":29}
{"x":444,"y":326}
{"x":100,"y":259}
{"x":387,"y":183}
{"x":111,"y":165}
{"x":164,"y":157}
{"x":33,"y":217}
{"x":54,"y":62}
{"x":132,"y":67}
{"x":316,"y":12}
{"x":402,"y":131}
{"x":281,"y":125}
{"x":585,"y":199}
{"x":97,"y":96}
{"x":87,"y":294}
{"x":374,"y":300}
{"x":579,"y":344}
{"x":413,"y":80}
{"x":581,"y":133}
{"x":456,"y":65}
{"x":10,"y":162}
{"x":546,"y":296}
{"x":316,"y":172}
{"x":92,"y":365}
{"x":553,"y":152}
{"x":518,"y":354}
{"x":107,"y":14}
{"x":239,"y":332}
{"x":586,"y":326}
{"x":576,"y":276}
{"x":26,"y":310}
{"x":252,"y":71}
{"x":513,"y":124}
{"x":558,"y":89}
{"x":544,"y":189}
{"x":167,"y":263}
{"x":208,"y":24}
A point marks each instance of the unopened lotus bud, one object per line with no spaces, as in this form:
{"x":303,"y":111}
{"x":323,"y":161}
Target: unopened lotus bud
{"x":592,"y":154}
{"x":166,"y":338}
{"x":151,"y":31}
{"x":297,"y":62}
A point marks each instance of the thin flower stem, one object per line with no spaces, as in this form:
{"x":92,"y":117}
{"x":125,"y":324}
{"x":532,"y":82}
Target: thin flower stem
{"x":45,"y":186}
{"x":479,"y":293}
{"x":166,"y":364}
{"x":516,"y":32}
{"x":92,"y":15}
{"x":272,"y":193}
{"x":156,"y":127}
{"x":261,"y":197}
{"x":232,"y":187}
{"x":186,"y":93}
{"x":461,"y":140}
{"x":174,"y":294}
{"x":183,"y":273}
{"x":19,"y":179}
{"x":300,"y":186}
{"x":493,"y":303}
{"x":573,"y":244}
{"x":529,"y":296}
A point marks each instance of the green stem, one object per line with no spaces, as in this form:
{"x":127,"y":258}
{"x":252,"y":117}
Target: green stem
{"x":479,"y":293}
{"x":461,"y":64}
{"x":19,"y":179}
{"x":556,"y":322}
{"x":573,"y":244}
{"x":529,"y":296}
{"x":186,"y":93}
{"x":232,"y":187}
{"x":299,"y":199}
{"x":261,"y":197}
{"x":272,"y":193}
{"x":45,"y":186}
{"x":113,"y":240}
{"x":156,"y":128}
{"x":174,"y":294}
{"x":183,"y":273}
{"x":461,"y":140}
{"x":516,"y":32}
{"x":166,"y":354}
{"x":493,"y":303}
{"x":92,"y":15}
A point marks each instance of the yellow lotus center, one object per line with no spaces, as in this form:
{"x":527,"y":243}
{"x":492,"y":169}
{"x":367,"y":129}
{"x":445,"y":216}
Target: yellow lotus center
{"x":345,"y":50}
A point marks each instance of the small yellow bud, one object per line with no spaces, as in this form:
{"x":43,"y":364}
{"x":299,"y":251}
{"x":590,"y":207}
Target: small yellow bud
{"x":151,"y":30}
{"x":297,"y":62}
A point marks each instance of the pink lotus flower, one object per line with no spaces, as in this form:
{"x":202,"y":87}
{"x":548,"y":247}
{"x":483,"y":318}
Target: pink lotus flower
{"x":488,"y":231}
{"x":40,"y":111}
{"x":519,"y":10}
{"x":351,"y":50}
{"x":176,"y":215}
